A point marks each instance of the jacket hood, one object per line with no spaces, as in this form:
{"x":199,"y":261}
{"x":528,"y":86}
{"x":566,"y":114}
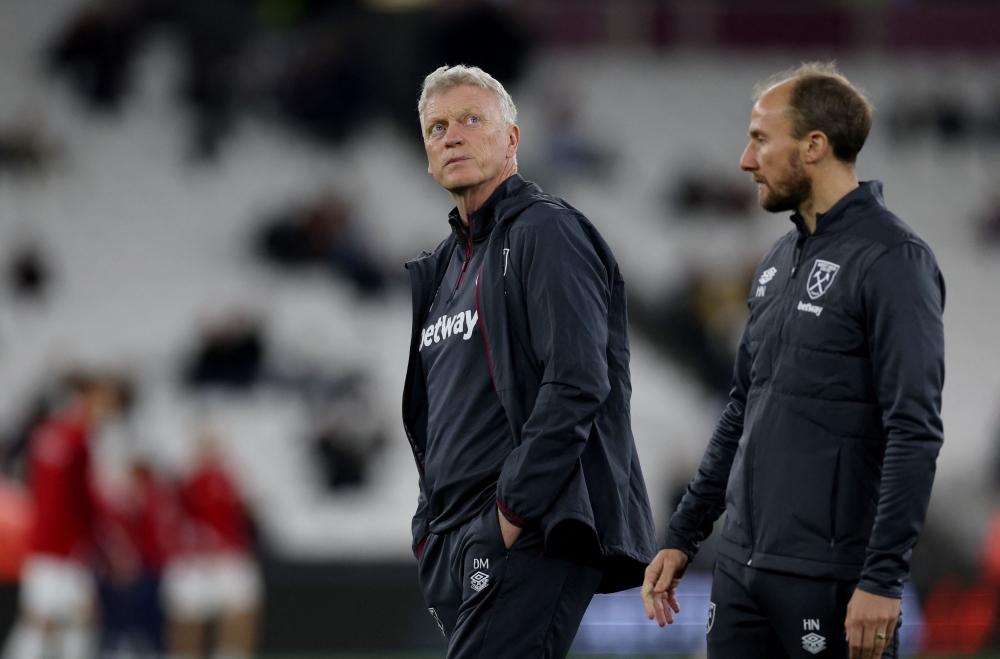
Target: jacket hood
{"x":510,"y":193}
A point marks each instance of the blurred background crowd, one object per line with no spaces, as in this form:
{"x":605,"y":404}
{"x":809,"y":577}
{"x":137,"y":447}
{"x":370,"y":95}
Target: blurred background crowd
{"x":205,"y":206}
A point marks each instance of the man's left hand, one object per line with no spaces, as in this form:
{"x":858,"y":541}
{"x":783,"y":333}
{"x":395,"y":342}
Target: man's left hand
{"x":510,"y":532}
{"x":871,"y":622}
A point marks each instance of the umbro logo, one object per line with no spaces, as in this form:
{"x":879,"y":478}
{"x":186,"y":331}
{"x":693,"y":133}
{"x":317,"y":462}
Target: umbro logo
{"x":768,"y":275}
{"x":479,"y":581}
{"x":814,"y":643}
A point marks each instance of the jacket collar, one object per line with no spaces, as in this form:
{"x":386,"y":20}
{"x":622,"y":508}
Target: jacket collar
{"x":484,"y":219}
{"x":867,"y":196}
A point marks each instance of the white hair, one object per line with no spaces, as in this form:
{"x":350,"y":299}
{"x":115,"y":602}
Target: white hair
{"x":446,"y":78}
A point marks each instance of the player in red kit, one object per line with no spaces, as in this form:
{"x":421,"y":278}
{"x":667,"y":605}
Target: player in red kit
{"x":217,"y":577}
{"x":57,"y":597}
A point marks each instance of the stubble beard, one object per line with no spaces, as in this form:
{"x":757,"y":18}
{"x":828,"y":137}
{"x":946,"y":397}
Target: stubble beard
{"x":790,"y":194}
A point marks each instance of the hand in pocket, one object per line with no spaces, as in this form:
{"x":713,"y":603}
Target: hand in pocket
{"x":510,"y":532}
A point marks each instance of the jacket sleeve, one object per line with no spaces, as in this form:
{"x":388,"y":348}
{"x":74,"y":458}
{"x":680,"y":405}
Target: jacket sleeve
{"x":421,"y":519}
{"x":567,"y":290}
{"x":705,"y":499}
{"x":903,"y":296}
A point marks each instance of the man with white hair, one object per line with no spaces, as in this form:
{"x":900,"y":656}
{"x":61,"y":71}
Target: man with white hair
{"x":516,"y":401}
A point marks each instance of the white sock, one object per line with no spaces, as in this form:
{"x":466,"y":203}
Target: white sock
{"x":25,"y":642}
{"x":228,"y":653}
{"x":78,"y":642}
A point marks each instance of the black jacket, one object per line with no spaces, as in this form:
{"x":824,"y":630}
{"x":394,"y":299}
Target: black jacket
{"x":829,"y":442}
{"x":551,"y":305}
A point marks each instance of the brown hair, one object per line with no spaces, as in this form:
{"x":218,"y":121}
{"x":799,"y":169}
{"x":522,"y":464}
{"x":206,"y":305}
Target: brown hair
{"x":823,"y":99}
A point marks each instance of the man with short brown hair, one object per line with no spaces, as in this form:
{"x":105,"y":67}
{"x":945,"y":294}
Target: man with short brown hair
{"x":824,"y":458}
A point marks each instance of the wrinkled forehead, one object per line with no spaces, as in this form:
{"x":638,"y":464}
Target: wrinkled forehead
{"x":461,"y":99}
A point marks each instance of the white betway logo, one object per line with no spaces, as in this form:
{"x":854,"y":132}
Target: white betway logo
{"x":811,"y":308}
{"x":461,"y":324}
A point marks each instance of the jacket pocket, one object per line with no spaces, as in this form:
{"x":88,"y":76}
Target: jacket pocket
{"x":857,"y":498}
{"x":795,"y":465}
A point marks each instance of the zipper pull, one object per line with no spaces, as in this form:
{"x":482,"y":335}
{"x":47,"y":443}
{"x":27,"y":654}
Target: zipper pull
{"x":794,"y":269}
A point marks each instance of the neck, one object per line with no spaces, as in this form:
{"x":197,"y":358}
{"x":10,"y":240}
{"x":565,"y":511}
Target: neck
{"x":472,"y":198}
{"x":828,"y":188}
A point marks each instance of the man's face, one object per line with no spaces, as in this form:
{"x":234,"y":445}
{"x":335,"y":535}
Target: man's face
{"x":465,"y":137}
{"x":773,"y":157}
{"x":104,"y":400}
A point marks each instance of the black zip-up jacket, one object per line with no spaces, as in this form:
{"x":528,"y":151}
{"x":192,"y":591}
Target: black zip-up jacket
{"x":552,"y":310}
{"x":829,"y":442}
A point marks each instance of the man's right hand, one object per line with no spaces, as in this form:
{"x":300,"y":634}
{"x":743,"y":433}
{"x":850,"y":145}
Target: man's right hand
{"x":659,"y":589}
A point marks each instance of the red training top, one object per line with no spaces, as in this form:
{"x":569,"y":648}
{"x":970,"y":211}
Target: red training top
{"x":164,"y":529}
{"x":215,"y":508}
{"x":61,"y":488}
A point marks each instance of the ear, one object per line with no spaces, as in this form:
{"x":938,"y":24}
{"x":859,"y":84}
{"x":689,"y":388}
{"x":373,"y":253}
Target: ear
{"x":817,"y":145}
{"x":513,"y":139}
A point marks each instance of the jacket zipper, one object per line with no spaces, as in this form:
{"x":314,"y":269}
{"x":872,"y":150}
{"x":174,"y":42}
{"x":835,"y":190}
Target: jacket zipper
{"x":753,"y":536}
{"x":800,"y":248}
{"x":468,"y":254}
{"x":482,"y":330}
{"x":413,"y":446}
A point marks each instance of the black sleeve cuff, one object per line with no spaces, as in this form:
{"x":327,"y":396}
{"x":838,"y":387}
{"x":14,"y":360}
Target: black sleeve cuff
{"x":510,"y":516}
{"x":676,"y":541}
{"x":895,"y":592}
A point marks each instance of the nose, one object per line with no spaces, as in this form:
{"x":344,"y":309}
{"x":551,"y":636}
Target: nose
{"x":748,"y":162}
{"x":453,"y":136}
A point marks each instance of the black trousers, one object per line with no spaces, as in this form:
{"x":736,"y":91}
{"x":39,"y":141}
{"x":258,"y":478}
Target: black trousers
{"x":491,"y":602}
{"x":757,"y":614}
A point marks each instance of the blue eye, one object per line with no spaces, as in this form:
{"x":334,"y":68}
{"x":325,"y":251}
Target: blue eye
{"x":474,"y":120}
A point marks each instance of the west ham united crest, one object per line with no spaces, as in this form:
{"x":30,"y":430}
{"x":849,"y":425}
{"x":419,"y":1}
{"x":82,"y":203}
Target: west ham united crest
{"x":821,"y":277}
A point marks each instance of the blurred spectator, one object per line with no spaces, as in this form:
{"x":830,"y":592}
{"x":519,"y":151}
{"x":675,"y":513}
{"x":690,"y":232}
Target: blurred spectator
{"x":231,"y":354}
{"x":321,"y":233}
{"x":217,"y":577}
{"x":962,"y":611}
{"x":96,"y":48}
{"x":695,"y":195}
{"x":989,"y":225}
{"x":15,"y":444}
{"x":15,"y":524}
{"x":319,"y":73}
{"x":699,"y":325}
{"x":344,"y":456}
{"x":482,"y":35}
{"x":25,"y":149}
{"x":959,"y":618}
{"x":950,"y":119}
{"x":215,"y":34}
{"x":57,"y":597}
{"x":29,"y":273}
{"x":325,"y":87}
{"x":145,"y":529}
{"x":571,"y":152}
